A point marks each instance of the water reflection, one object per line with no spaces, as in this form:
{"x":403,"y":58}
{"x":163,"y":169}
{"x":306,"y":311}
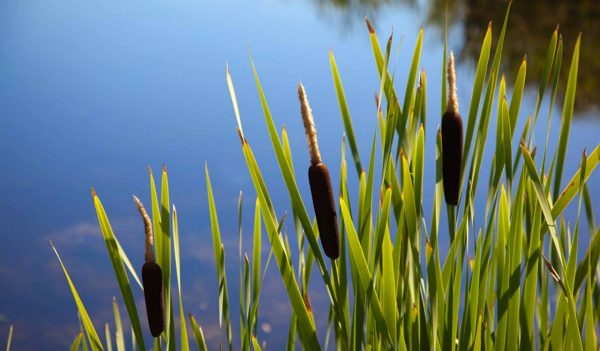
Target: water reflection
{"x":350,"y":13}
{"x":530,"y":26}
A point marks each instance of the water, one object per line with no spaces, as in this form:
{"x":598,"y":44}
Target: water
{"x":91,"y":94}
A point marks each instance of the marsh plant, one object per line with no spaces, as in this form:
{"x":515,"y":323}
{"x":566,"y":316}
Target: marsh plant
{"x":518,"y":280}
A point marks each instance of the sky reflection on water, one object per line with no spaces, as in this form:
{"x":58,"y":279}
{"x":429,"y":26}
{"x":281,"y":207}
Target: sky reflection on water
{"x":91,"y":94}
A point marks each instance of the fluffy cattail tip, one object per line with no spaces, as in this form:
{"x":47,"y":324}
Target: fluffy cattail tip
{"x":309,"y":126}
{"x":452,"y":105}
{"x":149,"y":253}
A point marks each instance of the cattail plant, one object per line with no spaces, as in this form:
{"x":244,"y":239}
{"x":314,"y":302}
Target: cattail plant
{"x":320,"y":184}
{"x":452,"y":140}
{"x":152,"y":279}
{"x":523,"y":252}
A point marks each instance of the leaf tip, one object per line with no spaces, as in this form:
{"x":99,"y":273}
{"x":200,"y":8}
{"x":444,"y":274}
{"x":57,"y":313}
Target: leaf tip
{"x":369,"y":26}
{"x":242,"y":138}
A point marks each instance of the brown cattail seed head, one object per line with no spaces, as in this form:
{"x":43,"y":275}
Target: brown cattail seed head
{"x":154,"y":296}
{"x":320,"y":184}
{"x":152,"y":278}
{"x":322,"y":196}
{"x":452,"y":141}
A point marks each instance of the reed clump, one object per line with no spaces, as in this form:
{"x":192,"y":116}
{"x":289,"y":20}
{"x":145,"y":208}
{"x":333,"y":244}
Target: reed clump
{"x":471,"y":290}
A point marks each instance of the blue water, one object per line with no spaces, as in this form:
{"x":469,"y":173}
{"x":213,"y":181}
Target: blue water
{"x":93,"y":93}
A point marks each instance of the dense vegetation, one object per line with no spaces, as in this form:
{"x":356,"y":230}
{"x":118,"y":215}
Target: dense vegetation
{"x":515,"y":282}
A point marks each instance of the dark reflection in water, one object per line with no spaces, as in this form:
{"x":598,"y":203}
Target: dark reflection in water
{"x":350,"y":13}
{"x":530,"y":26}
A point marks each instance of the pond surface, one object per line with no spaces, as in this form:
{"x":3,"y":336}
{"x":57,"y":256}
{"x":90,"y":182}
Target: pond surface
{"x":92,"y":94}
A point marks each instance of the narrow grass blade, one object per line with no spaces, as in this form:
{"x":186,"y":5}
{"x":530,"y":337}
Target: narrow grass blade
{"x":515,"y":102}
{"x":74,"y":346}
{"x":409,"y":201}
{"x":589,"y":208}
{"x":530,"y":284}
{"x":572,"y":187}
{"x":128,"y":264}
{"x":410,"y":84}
{"x":219,"y":255}
{"x":234,"y":100}
{"x":84,"y":345}
{"x":10,"y":334}
{"x":108,"y":337}
{"x":255,"y":345}
{"x":198,"y":334}
{"x":390,"y":92}
{"x":119,"y":336}
{"x":418,"y":169}
{"x":182,"y":325}
{"x":556,"y":69}
{"x":85,"y":318}
{"x":543,"y":201}
{"x":165,"y":263}
{"x":591,"y":339}
{"x":480,"y":143}
{"x":156,"y":226}
{"x":515,"y":252}
{"x":507,"y":138}
{"x":382,"y":226}
{"x":256,"y":264}
{"x":548,"y":65}
{"x":339,"y":89}
{"x":389,"y":287}
{"x":590,"y":258}
{"x":480,"y":74}
{"x":504,"y":273}
{"x":566,"y":119}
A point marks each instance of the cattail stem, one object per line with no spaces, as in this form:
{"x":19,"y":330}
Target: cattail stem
{"x":149,"y":254}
